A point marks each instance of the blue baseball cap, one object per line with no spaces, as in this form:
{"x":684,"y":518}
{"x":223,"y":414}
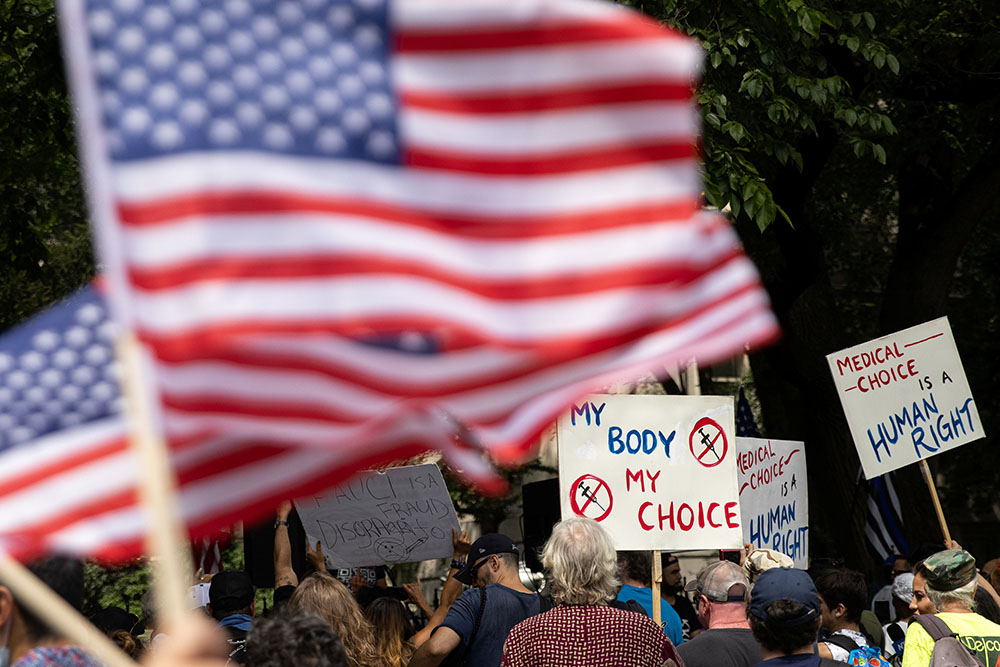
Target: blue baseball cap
{"x":783,"y":583}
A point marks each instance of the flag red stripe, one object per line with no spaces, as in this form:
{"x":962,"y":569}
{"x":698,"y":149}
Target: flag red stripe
{"x":268,"y":408}
{"x":549,"y":99}
{"x":424,"y":157}
{"x":270,"y":268}
{"x":551,"y":34}
{"x":66,"y":463}
{"x":233,"y":202}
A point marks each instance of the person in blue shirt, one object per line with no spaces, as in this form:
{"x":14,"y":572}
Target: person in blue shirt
{"x":637,"y":576}
{"x":481,"y":618}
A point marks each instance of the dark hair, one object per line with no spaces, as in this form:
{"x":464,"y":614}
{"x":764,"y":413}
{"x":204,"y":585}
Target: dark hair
{"x":219,"y":613}
{"x":986,"y":605}
{"x":637,"y":565}
{"x":784,"y":640}
{"x":846,"y":587}
{"x":509,"y":560}
{"x":305,"y":640}
{"x":129,"y":645}
{"x":65,"y":577}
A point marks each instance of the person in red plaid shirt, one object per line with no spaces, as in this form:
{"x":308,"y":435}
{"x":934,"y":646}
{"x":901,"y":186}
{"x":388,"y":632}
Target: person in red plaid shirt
{"x":582,"y":629}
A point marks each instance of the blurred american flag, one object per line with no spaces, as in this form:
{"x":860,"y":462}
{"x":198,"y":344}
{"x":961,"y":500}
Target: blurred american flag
{"x":277,"y":184}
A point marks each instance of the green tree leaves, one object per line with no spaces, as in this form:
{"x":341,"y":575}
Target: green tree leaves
{"x":781,"y":73}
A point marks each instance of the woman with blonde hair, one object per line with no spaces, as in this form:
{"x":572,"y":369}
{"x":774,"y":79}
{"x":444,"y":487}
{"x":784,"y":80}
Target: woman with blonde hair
{"x":331,"y":600}
{"x":393,"y":630}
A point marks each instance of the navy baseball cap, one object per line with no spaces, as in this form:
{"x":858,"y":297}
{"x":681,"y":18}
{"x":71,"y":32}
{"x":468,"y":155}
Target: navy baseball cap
{"x":783,"y":583}
{"x":487,"y":545}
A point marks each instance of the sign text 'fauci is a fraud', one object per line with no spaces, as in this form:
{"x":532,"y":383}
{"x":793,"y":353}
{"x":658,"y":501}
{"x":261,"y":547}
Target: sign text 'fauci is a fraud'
{"x":658,"y":472}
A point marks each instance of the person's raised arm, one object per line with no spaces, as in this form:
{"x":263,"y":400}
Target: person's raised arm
{"x":284,"y":574}
{"x":452,"y":587}
{"x":417,"y":597}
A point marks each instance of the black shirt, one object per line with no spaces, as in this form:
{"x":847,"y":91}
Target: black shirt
{"x":722,"y":647}
{"x":689,"y":617}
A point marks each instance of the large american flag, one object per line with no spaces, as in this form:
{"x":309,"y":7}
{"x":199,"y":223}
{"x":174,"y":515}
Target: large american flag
{"x":512,"y":184}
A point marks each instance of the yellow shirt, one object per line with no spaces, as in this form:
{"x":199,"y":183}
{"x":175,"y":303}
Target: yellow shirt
{"x":977,"y":633}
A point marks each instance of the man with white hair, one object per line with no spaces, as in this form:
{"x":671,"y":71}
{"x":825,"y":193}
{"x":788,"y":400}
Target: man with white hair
{"x":582,"y":630}
{"x":947,"y":582}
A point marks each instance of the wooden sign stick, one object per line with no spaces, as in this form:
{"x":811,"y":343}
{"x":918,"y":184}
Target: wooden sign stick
{"x":929,"y":479}
{"x":657,"y":577}
{"x":166,"y":538}
{"x":32,"y":593}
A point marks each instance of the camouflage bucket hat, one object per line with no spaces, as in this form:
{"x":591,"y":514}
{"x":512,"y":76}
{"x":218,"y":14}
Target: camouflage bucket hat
{"x":948,"y":570}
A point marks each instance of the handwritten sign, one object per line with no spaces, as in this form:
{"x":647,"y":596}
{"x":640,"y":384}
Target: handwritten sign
{"x":774,"y":498}
{"x":400,"y":516}
{"x":906,"y":397}
{"x":658,"y":472}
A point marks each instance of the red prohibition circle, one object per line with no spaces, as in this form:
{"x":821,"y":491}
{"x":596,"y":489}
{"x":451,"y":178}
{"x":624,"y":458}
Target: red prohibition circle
{"x":575,"y":505}
{"x":703,"y":422}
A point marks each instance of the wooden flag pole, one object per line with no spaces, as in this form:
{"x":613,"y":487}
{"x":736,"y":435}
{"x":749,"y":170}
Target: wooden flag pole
{"x":165,"y":535}
{"x":30,"y":592}
{"x":657,"y":578}
{"x":929,"y":479}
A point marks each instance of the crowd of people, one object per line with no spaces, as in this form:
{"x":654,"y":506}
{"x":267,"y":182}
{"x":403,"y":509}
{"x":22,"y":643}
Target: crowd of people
{"x":596,"y":609}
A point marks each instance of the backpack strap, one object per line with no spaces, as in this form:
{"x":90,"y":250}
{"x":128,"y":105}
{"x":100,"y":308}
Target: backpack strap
{"x":843,"y":641}
{"x":934,"y":626}
{"x":479,"y":620}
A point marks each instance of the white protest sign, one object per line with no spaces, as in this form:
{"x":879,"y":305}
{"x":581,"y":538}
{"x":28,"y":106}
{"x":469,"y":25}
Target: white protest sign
{"x":400,"y":516}
{"x":906,"y":397}
{"x":658,"y":472}
{"x":774,"y":498}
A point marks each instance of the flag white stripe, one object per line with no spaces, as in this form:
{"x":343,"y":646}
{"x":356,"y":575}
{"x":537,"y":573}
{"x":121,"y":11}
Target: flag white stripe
{"x":423,"y":190}
{"x":516,"y":70}
{"x":447,"y":14}
{"x":876,"y":518}
{"x":591,"y":314}
{"x":314,"y":235}
{"x":551,"y":131}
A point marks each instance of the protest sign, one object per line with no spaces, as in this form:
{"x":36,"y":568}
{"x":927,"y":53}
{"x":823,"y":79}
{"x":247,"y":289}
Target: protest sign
{"x":658,"y":472}
{"x":399,"y":516}
{"x":905,"y":396}
{"x":774,"y":498}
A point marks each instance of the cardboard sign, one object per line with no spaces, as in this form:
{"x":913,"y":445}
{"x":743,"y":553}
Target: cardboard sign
{"x":400,"y":516}
{"x":774,"y":497}
{"x":658,"y":472}
{"x":906,"y":397}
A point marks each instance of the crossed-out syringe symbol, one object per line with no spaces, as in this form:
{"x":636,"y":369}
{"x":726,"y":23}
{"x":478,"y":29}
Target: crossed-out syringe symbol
{"x":589,"y":495}
{"x":709,"y":443}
